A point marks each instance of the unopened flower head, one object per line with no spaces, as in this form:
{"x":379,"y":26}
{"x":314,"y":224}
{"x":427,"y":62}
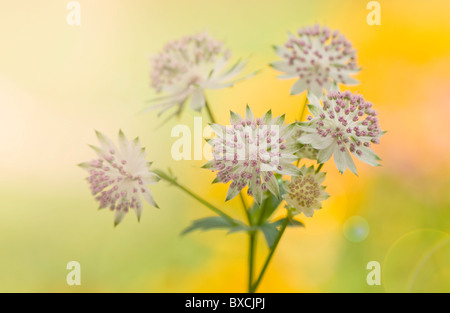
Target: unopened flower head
{"x":305,"y":193}
{"x":118,"y":177}
{"x":317,"y":57}
{"x":345,"y":122}
{"x":188,"y":66}
{"x":250,"y":151}
{"x":304,"y":151}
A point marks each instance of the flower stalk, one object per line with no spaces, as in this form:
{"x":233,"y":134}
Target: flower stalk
{"x":270,"y":255}
{"x":213,"y":208}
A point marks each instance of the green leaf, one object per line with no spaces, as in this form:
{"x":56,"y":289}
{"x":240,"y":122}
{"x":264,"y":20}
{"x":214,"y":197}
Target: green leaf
{"x":270,"y":205}
{"x":209,"y":223}
{"x":270,"y":232}
{"x":242,"y":228}
{"x":292,"y":223}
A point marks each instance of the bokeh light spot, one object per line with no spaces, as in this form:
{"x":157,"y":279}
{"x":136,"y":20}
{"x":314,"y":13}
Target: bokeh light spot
{"x":356,"y":229}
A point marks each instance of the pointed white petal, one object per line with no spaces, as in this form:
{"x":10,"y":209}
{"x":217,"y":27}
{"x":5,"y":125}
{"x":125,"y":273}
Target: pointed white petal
{"x":273,"y":187}
{"x":232,"y":192}
{"x":313,"y":99}
{"x":267,"y":118}
{"x":249,"y":114}
{"x":283,"y":66}
{"x":339,"y":159}
{"x":118,"y":217}
{"x":315,"y":89}
{"x":349,"y":161}
{"x":298,"y":87}
{"x":150,"y":178}
{"x":289,"y":169}
{"x":325,"y":154}
{"x":367,"y":156}
{"x":350,"y":81}
{"x":235,"y":118}
{"x":148,"y":196}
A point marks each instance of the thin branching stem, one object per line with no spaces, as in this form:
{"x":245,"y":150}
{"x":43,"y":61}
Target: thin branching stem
{"x":251,"y":258}
{"x":208,"y":110}
{"x":213,"y":208}
{"x":271,"y":253}
{"x":302,"y":113}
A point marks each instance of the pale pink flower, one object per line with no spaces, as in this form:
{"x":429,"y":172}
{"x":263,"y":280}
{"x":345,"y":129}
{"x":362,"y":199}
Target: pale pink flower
{"x":118,"y":177}
{"x":343,"y":123}
{"x":250,"y":151}
{"x":187,"y":67}
{"x":318,"y":58}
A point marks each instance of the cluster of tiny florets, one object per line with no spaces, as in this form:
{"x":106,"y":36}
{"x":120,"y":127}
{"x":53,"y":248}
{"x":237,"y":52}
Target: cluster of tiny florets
{"x":318,"y":57}
{"x":350,"y":120}
{"x":241,"y":140}
{"x":106,"y":177}
{"x":305,"y":193}
{"x":249,"y":152}
{"x":118,"y":176}
{"x":180,"y":58}
{"x":345,"y":122}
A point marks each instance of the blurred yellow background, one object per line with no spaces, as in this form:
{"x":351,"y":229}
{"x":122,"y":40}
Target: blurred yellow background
{"x":58,"y":83}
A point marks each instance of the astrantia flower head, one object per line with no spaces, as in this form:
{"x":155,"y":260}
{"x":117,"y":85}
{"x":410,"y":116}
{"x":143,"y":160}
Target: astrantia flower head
{"x":188,"y":66}
{"x":317,"y":58}
{"x":250,"y":151}
{"x":119,"y":176}
{"x":344,"y":122}
{"x":305,"y":193}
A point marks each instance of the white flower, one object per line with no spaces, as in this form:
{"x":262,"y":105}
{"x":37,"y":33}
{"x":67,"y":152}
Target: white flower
{"x":304,"y":193}
{"x":188,"y":66}
{"x":250,"y":151}
{"x":344,"y":122}
{"x":118,"y":177}
{"x":318,"y":58}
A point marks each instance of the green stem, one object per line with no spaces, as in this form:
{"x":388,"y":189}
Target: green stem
{"x":269,"y":257}
{"x":261,"y":216}
{"x":216,"y":210}
{"x":244,"y":205}
{"x":251,"y":259}
{"x":251,"y":246}
{"x":319,"y":168}
{"x":208,"y":110}
{"x":302,"y":114}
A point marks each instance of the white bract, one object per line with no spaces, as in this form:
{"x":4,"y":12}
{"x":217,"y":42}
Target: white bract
{"x":304,"y":193}
{"x":250,"y":151}
{"x":343,"y":122}
{"x":318,"y":58}
{"x":188,"y":66}
{"x":119,"y":176}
